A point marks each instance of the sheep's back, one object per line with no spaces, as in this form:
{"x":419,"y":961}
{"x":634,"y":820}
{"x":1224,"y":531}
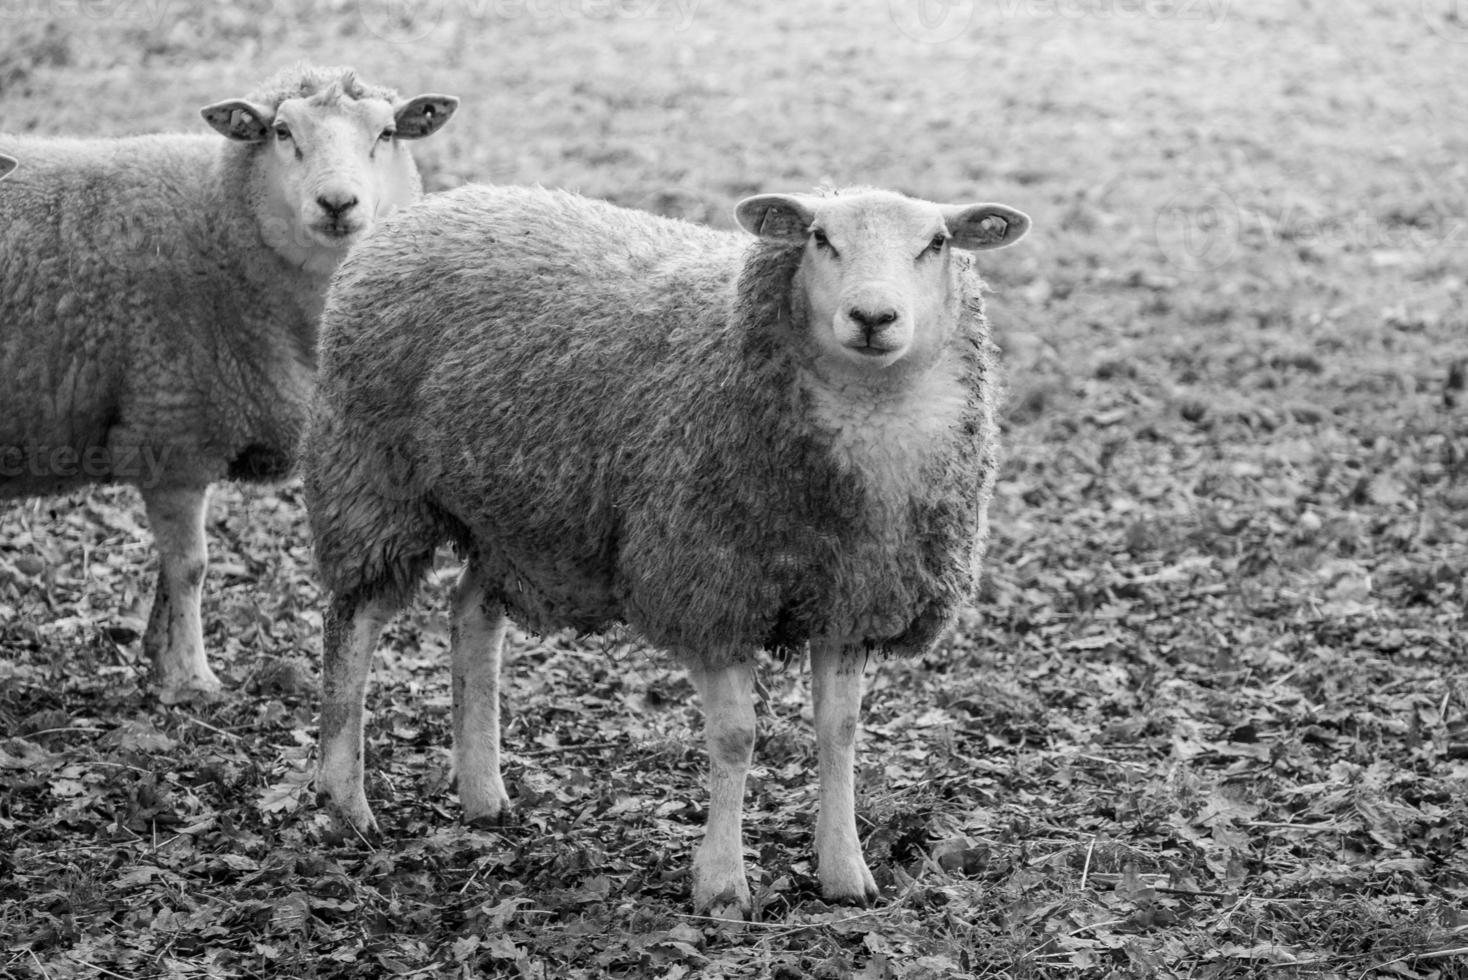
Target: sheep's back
{"x":486,"y":301}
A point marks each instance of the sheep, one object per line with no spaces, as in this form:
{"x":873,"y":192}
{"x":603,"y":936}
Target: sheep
{"x":160,"y":296}
{"x":7,"y":164}
{"x":720,"y":443}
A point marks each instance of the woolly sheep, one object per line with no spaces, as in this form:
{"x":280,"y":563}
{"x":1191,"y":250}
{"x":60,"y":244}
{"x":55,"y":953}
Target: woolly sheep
{"x":160,"y":296}
{"x":726,"y":443}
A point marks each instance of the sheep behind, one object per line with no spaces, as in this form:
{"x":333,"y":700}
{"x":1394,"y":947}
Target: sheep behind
{"x":161,"y":293}
{"x":727,"y":444}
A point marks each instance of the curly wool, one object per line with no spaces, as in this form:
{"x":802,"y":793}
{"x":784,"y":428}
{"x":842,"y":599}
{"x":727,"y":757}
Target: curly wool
{"x":615,"y":417}
{"x":332,"y":83}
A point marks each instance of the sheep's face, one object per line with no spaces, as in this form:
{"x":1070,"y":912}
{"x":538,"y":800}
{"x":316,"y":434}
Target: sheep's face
{"x":876,"y":279}
{"x":331,"y":165}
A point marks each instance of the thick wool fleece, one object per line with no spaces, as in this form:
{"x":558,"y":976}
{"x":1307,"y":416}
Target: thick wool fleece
{"x":611,"y":411}
{"x":150,"y":335}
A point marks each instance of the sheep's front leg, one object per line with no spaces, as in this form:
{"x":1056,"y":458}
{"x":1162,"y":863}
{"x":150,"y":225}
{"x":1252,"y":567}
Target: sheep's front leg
{"x":478,"y":641}
{"x":727,"y":693}
{"x":174,"y":640}
{"x":836,"y":685}
{"x":349,"y":632}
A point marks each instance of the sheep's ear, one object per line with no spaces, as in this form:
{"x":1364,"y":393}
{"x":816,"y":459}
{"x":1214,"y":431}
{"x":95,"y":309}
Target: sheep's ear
{"x":7,"y":164}
{"x":775,"y":217}
{"x":423,"y":116}
{"x":244,"y":121}
{"x":979,"y":226}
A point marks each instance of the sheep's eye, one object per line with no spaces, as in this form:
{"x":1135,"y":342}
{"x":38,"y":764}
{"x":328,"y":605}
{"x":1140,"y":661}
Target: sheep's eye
{"x":387,"y":134}
{"x":282,"y":132}
{"x":935,"y":247}
{"x":819,"y":237}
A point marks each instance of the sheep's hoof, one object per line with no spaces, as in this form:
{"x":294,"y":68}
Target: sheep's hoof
{"x":853,"y":887}
{"x":483,"y":803}
{"x":728,"y":907}
{"x":349,"y":823}
{"x":729,"y":912}
{"x":730,"y":902}
{"x":345,"y":833}
{"x":866,"y":898}
{"x":196,"y":690}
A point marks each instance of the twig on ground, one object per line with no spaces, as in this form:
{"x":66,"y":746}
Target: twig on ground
{"x":583,"y":747}
{"x":102,"y":969}
{"x":1431,"y":955}
{"x":1314,"y":828}
{"x":61,"y":731}
{"x":204,"y":724}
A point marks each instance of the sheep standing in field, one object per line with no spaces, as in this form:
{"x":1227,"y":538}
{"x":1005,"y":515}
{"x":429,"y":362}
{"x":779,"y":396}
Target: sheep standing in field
{"x":727,"y":443}
{"x":159,"y":297}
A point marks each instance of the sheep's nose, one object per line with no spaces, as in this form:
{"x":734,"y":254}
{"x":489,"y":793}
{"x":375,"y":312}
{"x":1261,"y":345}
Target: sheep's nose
{"x":336,"y":205}
{"x":871,"y":320}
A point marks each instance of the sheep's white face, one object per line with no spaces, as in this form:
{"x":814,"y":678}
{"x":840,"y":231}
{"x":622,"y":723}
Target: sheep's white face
{"x":876,"y":274}
{"x":332,"y":166}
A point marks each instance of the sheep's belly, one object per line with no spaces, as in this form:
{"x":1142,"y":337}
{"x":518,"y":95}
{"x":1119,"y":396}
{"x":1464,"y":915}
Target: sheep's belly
{"x":549,"y":591}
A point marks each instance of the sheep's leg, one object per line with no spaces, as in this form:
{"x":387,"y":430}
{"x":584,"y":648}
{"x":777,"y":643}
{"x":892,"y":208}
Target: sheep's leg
{"x":478,"y":643}
{"x":174,"y":640}
{"x":836,"y":685}
{"x":719,"y":885}
{"x":349,"y":633}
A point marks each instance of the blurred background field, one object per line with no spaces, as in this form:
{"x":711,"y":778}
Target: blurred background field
{"x":1209,"y":717}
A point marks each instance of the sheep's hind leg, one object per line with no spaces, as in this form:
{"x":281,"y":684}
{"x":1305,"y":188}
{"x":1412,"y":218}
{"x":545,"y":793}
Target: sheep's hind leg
{"x":174,"y":640}
{"x":478,"y":642}
{"x":727,"y":693}
{"x":349,"y":633}
{"x":836,"y":685}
